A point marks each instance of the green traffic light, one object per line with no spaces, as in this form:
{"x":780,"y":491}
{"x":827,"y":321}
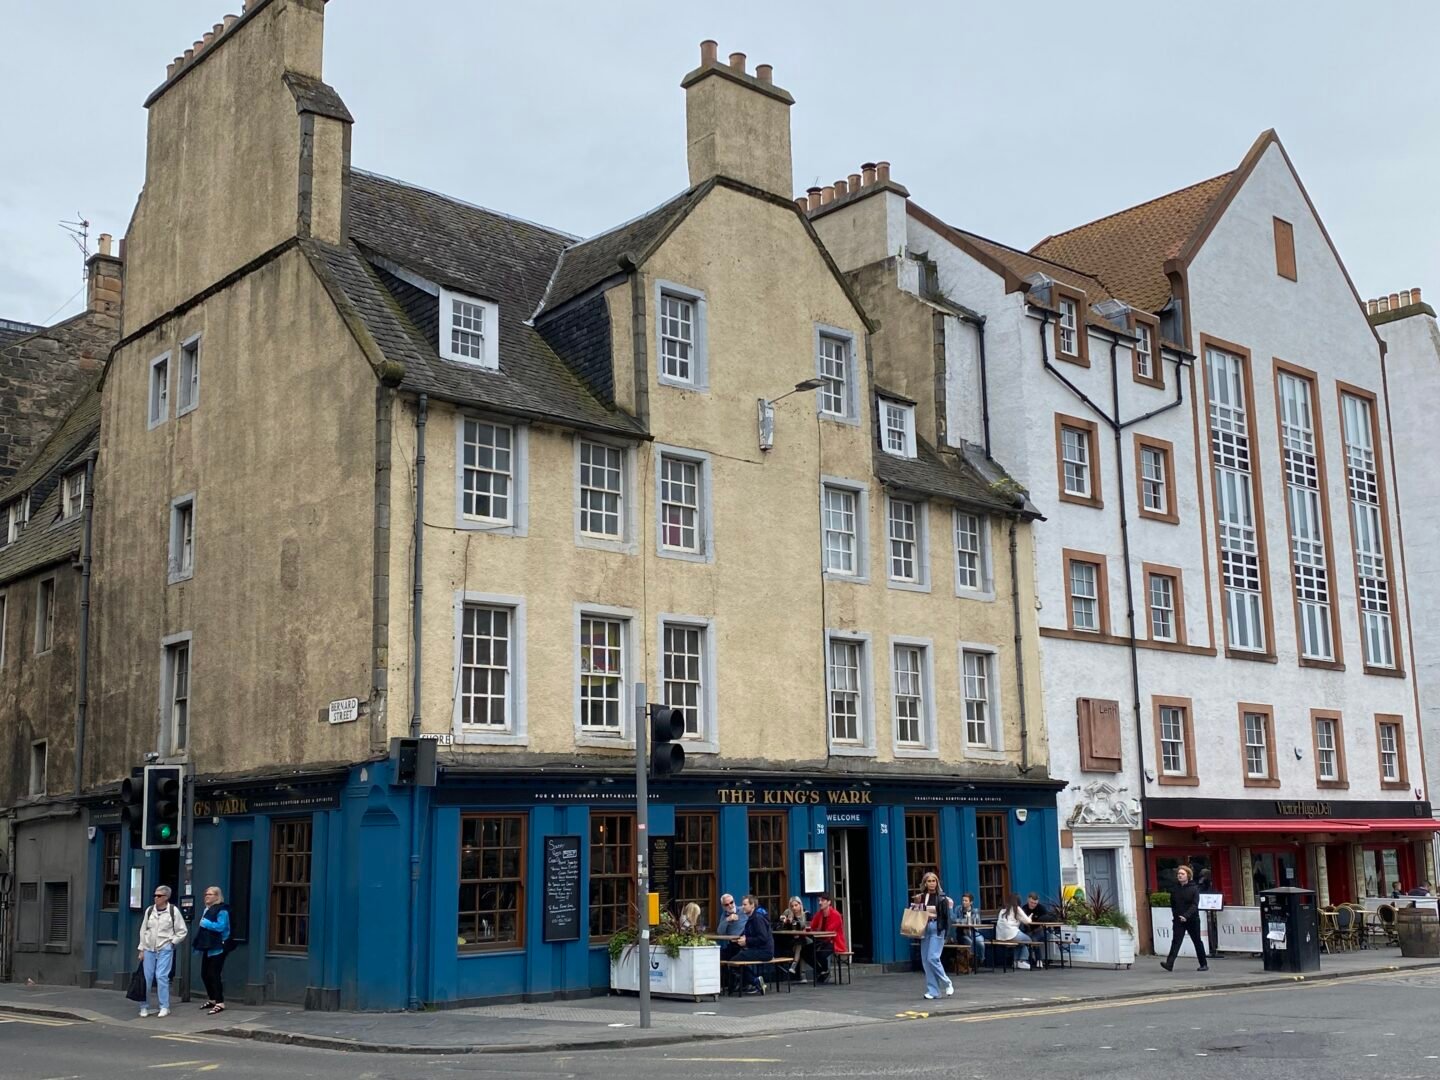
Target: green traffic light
{"x":165,"y":832}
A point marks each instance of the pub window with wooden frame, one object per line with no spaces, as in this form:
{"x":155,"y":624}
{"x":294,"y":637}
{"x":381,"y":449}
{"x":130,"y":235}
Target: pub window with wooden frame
{"x":769,"y":878}
{"x":110,"y":872}
{"x":290,"y":867}
{"x":695,"y":859}
{"x":922,"y":846}
{"x":993,"y":849}
{"x":491,"y":907}
{"x":612,"y":874}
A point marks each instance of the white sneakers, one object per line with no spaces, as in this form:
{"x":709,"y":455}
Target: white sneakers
{"x":163,"y":1013}
{"x":929,"y":996}
{"x":949,"y":989}
{"x":145,"y":1012}
{"x":1023,"y":965}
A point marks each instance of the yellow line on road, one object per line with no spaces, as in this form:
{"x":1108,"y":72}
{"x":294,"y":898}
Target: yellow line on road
{"x":205,"y":1066}
{"x":1125,"y":1003}
{"x":26,"y":1018}
{"x":732,"y":1060}
{"x":211,"y":1039}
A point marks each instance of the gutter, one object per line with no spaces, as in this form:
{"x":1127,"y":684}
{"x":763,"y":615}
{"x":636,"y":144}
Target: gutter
{"x":82,"y":690}
{"x":1019,"y":642}
{"x":421,"y":417}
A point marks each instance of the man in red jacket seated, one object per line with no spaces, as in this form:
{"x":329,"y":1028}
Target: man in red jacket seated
{"x":817,"y":952}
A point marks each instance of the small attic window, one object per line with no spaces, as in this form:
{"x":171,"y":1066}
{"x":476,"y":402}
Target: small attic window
{"x":72,"y":494}
{"x":897,"y":428}
{"x":16,"y":515}
{"x":469,"y":330}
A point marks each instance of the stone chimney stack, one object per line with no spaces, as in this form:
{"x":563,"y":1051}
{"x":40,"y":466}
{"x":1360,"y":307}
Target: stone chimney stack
{"x":103,"y":280}
{"x":737,"y":124}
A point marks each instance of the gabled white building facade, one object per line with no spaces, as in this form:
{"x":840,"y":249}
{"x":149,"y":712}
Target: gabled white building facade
{"x":1201,"y":421}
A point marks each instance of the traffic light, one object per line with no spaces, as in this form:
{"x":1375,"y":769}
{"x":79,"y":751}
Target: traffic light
{"x":667,"y":727}
{"x":132,"y":804}
{"x":160,"y":830}
{"x":412,"y":762}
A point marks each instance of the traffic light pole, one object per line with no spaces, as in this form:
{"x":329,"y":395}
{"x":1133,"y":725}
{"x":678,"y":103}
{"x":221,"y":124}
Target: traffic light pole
{"x":642,"y":849}
{"x":187,"y":887}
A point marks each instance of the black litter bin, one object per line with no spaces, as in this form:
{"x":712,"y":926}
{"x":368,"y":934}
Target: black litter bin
{"x":1290,"y":929}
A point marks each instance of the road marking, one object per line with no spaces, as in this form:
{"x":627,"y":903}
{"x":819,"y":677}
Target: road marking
{"x":732,"y":1061}
{"x":204,"y":1066}
{"x":911,"y":1014}
{"x":26,"y":1018}
{"x":213,"y":1040}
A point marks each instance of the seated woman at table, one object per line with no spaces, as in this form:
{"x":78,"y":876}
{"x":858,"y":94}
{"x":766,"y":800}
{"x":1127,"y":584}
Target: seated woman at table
{"x":794,"y":918}
{"x":690,"y":917}
{"x":1007,"y":928}
{"x":968,"y":923}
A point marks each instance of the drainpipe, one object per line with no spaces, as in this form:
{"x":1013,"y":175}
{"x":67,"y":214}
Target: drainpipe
{"x":418,"y":571}
{"x":82,"y":698}
{"x":1019,"y":641}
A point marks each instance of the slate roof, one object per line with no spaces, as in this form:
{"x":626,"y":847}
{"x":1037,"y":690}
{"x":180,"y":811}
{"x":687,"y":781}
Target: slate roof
{"x":12,"y":330}
{"x":1128,"y":250}
{"x":952,"y":475}
{"x":45,"y":540}
{"x":472,"y":250}
{"x":588,"y":263}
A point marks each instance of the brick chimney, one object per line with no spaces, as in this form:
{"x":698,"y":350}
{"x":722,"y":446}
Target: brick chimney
{"x":103,"y":280}
{"x":737,"y":124}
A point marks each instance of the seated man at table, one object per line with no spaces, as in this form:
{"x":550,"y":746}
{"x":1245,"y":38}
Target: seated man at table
{"x":1039,"y":913}
{"x":756,"y":942}
{"x":817,"y":952}
{"x":967,"y":927}
{"x":728,"y":925}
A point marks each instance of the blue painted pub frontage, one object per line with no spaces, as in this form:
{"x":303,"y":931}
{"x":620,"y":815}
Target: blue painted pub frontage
{"x":317,"y":870}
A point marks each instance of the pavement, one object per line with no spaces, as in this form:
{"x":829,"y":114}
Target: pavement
{"x":608,"y":1022}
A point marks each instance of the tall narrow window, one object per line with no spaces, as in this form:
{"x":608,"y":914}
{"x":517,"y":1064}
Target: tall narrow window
{"x":4,"y":612}
{"x":846,"y":699}
{"x":904,"y":517}
{"x":1257,"y":745}
{"x":1329,"y":750}
{"x":488,"y":472}
{"x":1390,"y":739}
{"x":1075,"y":453}
{"x":72,"y":494}
{"x":602,"y":479}
{"x":1144,"y":352}
{"x":486,"y":651}
{"x":696,"y":861}
{"x":602,"y":674}
{"x":1368,"y":531}
{"x":17,"y":513}
{"x":1172,"y":740}
{"x":188,"y":389}
{"x":976,"y":675}
{"x":842,"y":536}
{"x":1234,"y":502}
{"x":45,"y":616}
{"x":680,"y":520}
{"x":677,"y":338}
{"x":922,"y":846}
{"x":683,"y":661}
{"x":993,"y":851}
{"x":1085,"y":582}
{"x":177,"y":695}
{"x":909,"y":695}
{"x":768,"y":850}
{"x":1068,"y":329}
{"x":39,"y":766}
{"x":290,"y":868}
{"x":182,"y":539}
{"x":490,"y":912}
{"x":972,"y":573}
{"x":834,"y":367}
{"x":1162,"y":607}
{"x":612,"y":873}
{"x":1156,"y":497}
{"x":1304,"y":487}
{"x":110,"y":872}
{"x":159,"y":401}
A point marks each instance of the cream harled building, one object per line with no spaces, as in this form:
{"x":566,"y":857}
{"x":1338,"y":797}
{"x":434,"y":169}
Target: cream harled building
{"x":657,"y":456}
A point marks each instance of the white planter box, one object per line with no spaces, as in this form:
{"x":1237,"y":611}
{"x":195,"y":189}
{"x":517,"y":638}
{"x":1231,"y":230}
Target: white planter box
{"x":1161,"y":921}
{"x":1100,"y":946}
{"x":694,"y":974}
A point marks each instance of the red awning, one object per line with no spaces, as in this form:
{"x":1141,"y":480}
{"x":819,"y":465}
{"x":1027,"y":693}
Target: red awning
{"x":1262,"y":825}
{"x":1420,"y":825}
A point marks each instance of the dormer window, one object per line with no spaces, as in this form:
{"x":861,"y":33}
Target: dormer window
{"x":1069,"y":320}
{"x":1070,"y":334}
{"x":469,"y":330}
{"x":72,"y":494}
{"x":897,"y":428}
{"x":16,"y":515}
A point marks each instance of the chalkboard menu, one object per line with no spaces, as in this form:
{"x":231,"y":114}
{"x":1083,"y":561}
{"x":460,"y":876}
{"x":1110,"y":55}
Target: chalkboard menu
{"x":562,"y":888}
{"x":662,"y":869}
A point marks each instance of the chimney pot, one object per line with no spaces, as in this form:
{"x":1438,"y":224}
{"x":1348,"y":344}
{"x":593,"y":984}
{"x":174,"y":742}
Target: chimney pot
{"x":1394,"y":301}
{"x":868,"y":171}
{"x":1383,"y":303}
{"x":198,"y":47}
{"x":1415,"y":295}
{"x":841,"y":189}
{"x":189,"y":55}
{"x":1370,"y":307}
{"x":231,"y":20}
{"x":1404,"y":297}
{"x":207,"y":38}
{"x":854,"y":181}
{"x":882,"y":171}
{"x":827,"y":196}
{"x":218,"y":29}
{"x":737,"y":61}
{"x":814,"y":197}
{"x":170,"y":68}
{"x":765,"y":72}
{"x":803,"y":203}
{"x":708,"y":51}
{"x":104,"y":241}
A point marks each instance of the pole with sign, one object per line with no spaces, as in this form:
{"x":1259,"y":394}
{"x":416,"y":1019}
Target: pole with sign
{"x":642,"y":848}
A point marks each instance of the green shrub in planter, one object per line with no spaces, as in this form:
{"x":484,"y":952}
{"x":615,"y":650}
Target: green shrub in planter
{"x":1159,"y":899}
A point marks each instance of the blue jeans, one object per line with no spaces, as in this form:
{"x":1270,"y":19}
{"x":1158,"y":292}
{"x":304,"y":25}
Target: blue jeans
{"x":748,"y":976}
{"x":1022,"y":954}
{"x":976,"y":941}
{"x":158,"y":966}
{"x":932,"y":947}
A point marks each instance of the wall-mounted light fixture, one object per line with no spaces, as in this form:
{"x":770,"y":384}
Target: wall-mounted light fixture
{"x":766,"y":410}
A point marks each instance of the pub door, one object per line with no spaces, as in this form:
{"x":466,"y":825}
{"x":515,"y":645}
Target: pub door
{"x":850,"y":887}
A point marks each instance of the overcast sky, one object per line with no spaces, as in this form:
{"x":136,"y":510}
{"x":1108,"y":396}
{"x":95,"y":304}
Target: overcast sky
{"x":1013,"y":120}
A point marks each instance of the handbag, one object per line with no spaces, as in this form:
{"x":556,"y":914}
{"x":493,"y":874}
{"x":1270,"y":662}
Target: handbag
{"x":138,"y":990}
{"x":913,"y":923}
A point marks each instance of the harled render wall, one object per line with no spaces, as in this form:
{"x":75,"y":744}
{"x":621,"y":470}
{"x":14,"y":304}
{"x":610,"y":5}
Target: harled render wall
{"x":767,"y":288}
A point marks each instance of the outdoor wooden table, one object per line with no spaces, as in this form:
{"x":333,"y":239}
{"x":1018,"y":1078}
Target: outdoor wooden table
{"x":1045,"y":939}
{"x":797,"y":937}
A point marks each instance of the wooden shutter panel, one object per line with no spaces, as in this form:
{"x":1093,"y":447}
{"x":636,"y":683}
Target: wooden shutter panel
{"x":1099,"y":729}
{"x":57,"y":913}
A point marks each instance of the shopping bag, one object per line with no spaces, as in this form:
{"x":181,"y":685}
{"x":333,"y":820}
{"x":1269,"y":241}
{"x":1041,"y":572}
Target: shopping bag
{"x":913,"y":923}
{"x":138,"y":990}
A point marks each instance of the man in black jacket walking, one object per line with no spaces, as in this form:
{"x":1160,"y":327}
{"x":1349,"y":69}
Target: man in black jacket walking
{"x":1185,"y":911}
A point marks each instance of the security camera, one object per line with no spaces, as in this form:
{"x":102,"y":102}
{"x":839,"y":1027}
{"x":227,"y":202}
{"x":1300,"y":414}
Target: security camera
{"x":151,"y":758}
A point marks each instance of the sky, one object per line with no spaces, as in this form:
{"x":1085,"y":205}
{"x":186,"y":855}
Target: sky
{"x":1012,"y":120}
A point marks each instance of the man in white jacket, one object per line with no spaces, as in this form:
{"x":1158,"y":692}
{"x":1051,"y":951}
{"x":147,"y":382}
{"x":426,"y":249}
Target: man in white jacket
{"x":161,"y":930}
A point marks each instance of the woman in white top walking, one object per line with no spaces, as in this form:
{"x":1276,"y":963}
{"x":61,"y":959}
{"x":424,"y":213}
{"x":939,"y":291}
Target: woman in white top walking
{"x":161,"y":929}
{"x":1007,"y":928}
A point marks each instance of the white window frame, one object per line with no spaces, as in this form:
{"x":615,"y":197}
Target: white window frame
{"x":861,"y":495}
{"x":1144,"y":357}
{"x":1152,"y":607}
{"x":17,"y":516}
{"x":72,"y":502}
{"x":897,"y":427}
{"x":625,"y":543}
{"x":1304,"y":493}
{"x":1183,"y":769}
{"x":169,"y":647}
{"x":157,"y":392}
{"x":176,"y":569}
{"x":1232,"y":462}
{"x":851,"y":389}
{"x":995,"y":751}
{"x":1327,"y":725}
{"x":1369,"y":528}
{"x":39,"y":777}
{"x":1389,"y":758}
{"x":928,"y":746}
{"x":1257,"y":748}
{"x":489,"y":357}
{"x":864,"y":744}
{"x":518,"y":521}
{"x":516,"y":731}
{"x":707,"y":741}
{"x":699,"y":352}
{"x":187,"y":384}
{"x":1097,"y":609}
{"x":1083,"y":465}
{"x":45,"y":614}
{"x":704,"y":516}
{"x":625,"y":734}
{"x":1068,"y":338}
{"x":984,"y":589}
{"x":1152,"y":484}
{"x":920,"y":582}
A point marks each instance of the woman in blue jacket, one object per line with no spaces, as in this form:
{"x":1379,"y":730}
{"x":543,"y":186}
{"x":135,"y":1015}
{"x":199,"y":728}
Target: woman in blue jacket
{"x":211,"y":942}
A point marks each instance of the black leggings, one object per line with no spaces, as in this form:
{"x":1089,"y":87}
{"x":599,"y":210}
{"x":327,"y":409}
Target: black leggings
{"x":1190,"y":926}
{"x":210,"y":969}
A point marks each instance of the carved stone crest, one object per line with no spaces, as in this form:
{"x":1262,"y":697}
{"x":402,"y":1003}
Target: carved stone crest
{"x":1102,"y":803}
